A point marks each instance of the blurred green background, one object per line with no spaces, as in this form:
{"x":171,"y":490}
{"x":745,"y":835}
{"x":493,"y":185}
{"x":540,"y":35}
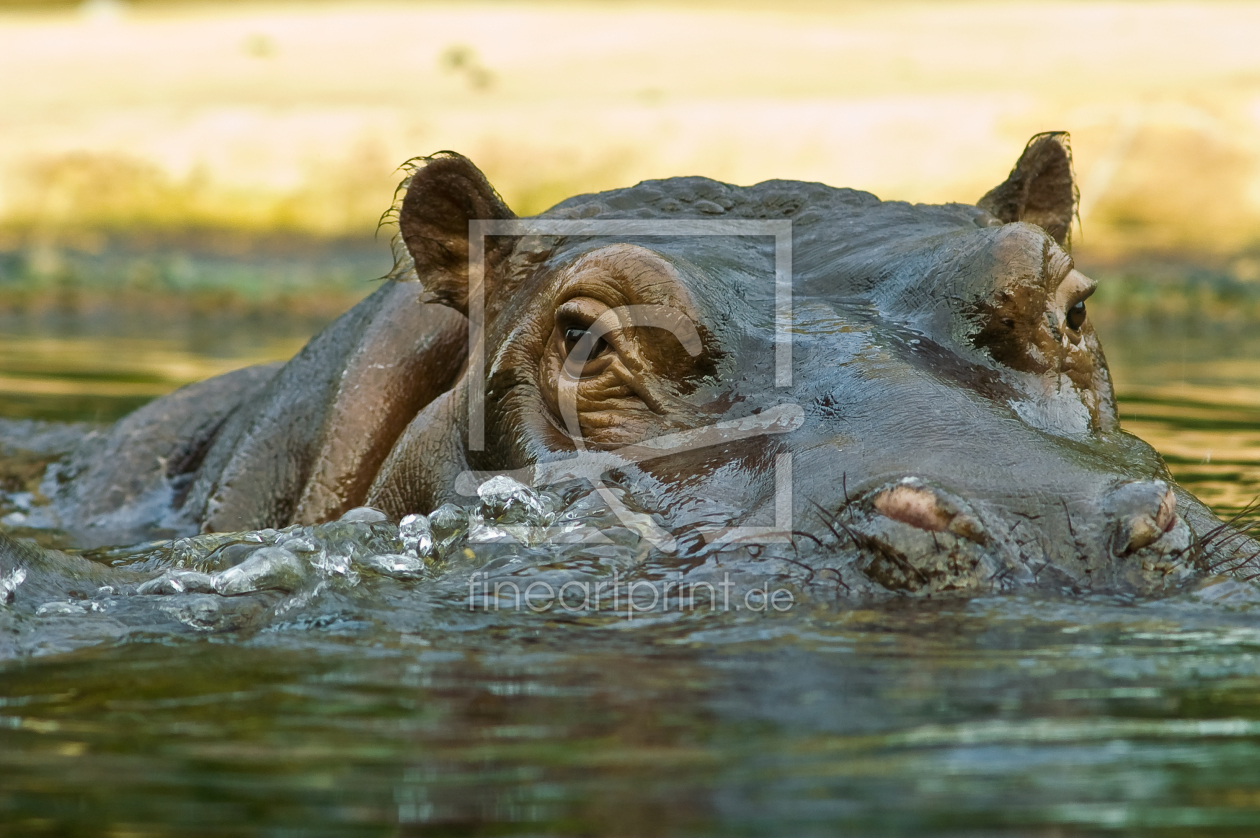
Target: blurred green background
{"x":228,"y":131}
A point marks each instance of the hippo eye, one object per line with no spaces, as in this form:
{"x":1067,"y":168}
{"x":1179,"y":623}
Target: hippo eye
{"x":573,"y":336}
{"x":1076,"y":316}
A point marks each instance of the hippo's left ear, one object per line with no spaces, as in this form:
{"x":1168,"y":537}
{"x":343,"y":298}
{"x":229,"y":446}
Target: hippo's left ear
{"x":442,"y":196}
{"x":1041,"y":188}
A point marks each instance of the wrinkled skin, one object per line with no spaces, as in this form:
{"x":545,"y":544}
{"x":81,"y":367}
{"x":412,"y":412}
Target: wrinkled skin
{"x":950,"y":423}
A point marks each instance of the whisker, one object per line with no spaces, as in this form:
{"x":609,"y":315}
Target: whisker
{"x":804,"y":566}
{"x":1217,"y":547}
{"x":839,"y":579}
{"x":808,"y":535}
{"x":830,"y":519}
{"x":1250,"y":509}
{"x":1240,"y":564}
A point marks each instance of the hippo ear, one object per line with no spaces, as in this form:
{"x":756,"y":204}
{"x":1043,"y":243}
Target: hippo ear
{"x":1041,"y":188}
{"x":442,"y":196}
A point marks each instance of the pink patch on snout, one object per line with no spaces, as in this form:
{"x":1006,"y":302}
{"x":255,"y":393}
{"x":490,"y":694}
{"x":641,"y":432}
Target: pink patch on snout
{"x":916,"y":507}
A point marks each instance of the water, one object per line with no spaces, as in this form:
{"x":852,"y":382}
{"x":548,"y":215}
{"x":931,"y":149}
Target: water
{"x":346,"y":695}
{"x":1191,"y":388}
{"x":100,"y":365}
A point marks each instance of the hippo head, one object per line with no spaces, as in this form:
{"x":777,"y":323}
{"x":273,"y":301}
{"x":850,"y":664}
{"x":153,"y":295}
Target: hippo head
{"x":913,"y":395}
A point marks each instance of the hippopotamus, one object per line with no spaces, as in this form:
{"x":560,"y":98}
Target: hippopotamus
{"x":913,"y":394}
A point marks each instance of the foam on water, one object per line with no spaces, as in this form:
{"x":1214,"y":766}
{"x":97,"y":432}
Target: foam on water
{"x":512,"y":554}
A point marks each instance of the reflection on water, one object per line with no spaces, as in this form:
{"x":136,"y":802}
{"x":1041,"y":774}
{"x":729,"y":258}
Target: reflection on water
{"x":102,"y":365}
{"x":1017,"y":716}
{"x":1011,"y":715}
{"x":1191,"y":388}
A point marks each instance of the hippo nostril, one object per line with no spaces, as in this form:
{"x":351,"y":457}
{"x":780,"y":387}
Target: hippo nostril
{"x":919,"y":506}
{"x":969,"y":528}
{"x":1143,"y":532}
{"x":1143,"y":527}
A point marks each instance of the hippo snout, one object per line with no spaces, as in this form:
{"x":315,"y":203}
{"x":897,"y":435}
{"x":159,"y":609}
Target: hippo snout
{"x":918,"y":536}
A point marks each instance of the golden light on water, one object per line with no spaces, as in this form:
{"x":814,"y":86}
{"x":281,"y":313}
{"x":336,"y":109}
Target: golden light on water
{"x":118,"y":367}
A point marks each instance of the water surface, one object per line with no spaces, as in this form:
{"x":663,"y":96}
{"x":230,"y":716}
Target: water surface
{"x":1003,"y":715}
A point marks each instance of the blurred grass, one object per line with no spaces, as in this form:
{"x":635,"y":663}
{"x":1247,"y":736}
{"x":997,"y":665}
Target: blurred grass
{"x":186,"y":121}
{"x":302,"y":276}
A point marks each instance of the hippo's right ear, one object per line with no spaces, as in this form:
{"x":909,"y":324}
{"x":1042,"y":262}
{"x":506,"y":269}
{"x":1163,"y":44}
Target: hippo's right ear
{"x":442,"y":196}
{"x":1041,"y":188}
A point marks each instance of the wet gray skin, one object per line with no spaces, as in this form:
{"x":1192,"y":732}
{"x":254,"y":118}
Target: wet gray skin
{"x":949,"y":425}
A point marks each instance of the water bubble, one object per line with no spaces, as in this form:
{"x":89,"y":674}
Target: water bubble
{"x":214,"y":613}
{"x":270,"y":568}
{"x":363,"y":515}
{"x":417,"y":537}
{"x":395,"y":565}
{"x":9,"y":583}
{"x":200,"y":612}
{"x":338,"y":563}
{"x":298,"y":542}
{"x":448,"y":521}
{"x":505,"y":501}
{"x":179,"y":582}
{"x":205,"y":552}
{"x":50,"y":609}
{"x":510,"y":532}
{"x":184,"y":552}
{"x":479,"y":532}
{"x":341,"y":543}
{"x":448,"y":524}
{"x":230,"y":555}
